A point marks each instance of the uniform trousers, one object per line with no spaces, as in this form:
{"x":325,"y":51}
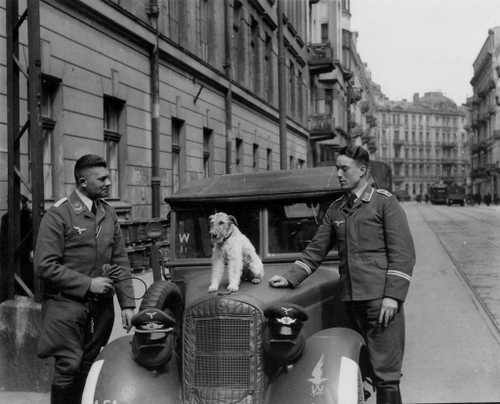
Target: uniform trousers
{"x":385,"y":345}
{"x":73,"y":333}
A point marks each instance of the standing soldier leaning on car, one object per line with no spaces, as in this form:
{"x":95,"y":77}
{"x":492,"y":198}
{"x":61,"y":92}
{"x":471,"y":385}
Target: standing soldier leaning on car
{"x":377,"y":256}
{"x":78,"y":250}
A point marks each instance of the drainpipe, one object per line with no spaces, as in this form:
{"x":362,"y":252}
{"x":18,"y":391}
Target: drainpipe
{"x":153,"y":13}
{"x":282,"y":87}
{"x":229,"y":91}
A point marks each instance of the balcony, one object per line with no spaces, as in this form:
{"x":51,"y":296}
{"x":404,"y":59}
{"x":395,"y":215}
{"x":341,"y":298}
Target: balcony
{"x":448,"y":145}
{"x":449,"y":161}
{"x":398,"y":160}
{"x":398,"y":141}
{"x":320,"y":58}
{"x":480,"y":172}
{"x":321,"y":126}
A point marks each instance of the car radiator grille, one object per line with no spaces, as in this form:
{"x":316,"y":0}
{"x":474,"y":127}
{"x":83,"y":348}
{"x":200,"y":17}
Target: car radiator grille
{"x":222,"y":360}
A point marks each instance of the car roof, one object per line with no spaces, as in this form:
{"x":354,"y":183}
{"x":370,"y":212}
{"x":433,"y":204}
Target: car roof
{"x":260,"y":186}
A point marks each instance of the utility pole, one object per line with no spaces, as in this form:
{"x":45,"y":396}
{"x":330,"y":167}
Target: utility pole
{"x":229,"y":92}
{"x":282,"y":88}
{"x":153,"y":13}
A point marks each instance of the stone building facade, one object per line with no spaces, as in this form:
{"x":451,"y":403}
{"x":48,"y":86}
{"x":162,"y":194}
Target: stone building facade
{"x":424,"y":141}
{"x":485,"y":118}
{"x":96,"y":91}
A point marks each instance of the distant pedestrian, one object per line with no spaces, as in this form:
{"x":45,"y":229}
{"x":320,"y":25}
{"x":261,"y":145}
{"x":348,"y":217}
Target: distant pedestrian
{"x":477,"y":198}
{"x":377,"y":256}
{"x":487,"y":199}
{"x":426,"y":198}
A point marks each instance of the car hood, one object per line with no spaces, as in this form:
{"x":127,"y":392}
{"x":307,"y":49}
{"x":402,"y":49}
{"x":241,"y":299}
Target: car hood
{"x":321,"y":285}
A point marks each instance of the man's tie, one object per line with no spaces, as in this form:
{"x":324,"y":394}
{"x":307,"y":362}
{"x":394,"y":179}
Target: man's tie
{"x":94,"y":208}
{"x":350,"y":199}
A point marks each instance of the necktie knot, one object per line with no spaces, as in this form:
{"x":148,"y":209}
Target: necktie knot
{"x":351,"y":199}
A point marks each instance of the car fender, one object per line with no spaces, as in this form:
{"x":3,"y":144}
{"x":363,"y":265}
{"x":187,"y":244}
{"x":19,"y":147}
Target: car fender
{"x":115,"y":378}
{"x":328,"y":371}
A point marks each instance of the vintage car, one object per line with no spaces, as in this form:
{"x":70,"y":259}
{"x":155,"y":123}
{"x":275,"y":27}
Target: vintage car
{"x":257,"y":345}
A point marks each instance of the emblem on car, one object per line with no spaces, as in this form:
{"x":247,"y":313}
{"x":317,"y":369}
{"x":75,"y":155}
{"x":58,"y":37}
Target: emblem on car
{"x":317,"y":379}
{"x":150,"y":314}
{"x":286,"y":320}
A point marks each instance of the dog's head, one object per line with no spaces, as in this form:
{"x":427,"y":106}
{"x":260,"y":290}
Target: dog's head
{"x":221,"y":226}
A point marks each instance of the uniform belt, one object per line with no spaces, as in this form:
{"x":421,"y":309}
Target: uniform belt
{"x":89,"y":297}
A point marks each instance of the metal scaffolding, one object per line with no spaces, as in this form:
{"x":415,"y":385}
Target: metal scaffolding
{"x":32,"y":127}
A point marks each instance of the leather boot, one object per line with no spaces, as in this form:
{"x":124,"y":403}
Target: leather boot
{"x":388,"y":395}
{"x":62,"y":395}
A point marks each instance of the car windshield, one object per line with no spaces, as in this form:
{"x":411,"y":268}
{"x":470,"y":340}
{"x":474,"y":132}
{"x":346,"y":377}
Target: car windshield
{"x":192,"y":237}
{"x":292,"y":226}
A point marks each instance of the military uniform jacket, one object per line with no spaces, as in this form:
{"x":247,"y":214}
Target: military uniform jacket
{"x":73,"y":245}
{"x":375,"y":247}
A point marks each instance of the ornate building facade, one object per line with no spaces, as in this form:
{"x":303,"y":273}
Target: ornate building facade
{"x":485,"y":118}
{"x":424,"y":141}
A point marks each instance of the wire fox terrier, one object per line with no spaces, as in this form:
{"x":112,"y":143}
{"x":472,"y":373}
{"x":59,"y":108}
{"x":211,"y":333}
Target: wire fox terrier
{"x":233,"y":249}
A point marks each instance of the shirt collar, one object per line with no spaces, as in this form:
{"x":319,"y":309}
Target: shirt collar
{"x":85,"y":199}
{"x":360,"y":192}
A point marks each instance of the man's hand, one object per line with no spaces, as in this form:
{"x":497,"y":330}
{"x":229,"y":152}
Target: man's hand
{"x":278,"y":281}
{"x":127,"y":315}
{"x":100,"y":285}
{"x":388,"y":310}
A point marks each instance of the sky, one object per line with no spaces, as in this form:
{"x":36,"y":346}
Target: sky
{"x":423,"y":45}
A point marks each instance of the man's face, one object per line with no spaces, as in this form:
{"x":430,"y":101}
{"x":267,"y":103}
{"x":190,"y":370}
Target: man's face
{"x":349,"y":172}
{"x":96,"y":182}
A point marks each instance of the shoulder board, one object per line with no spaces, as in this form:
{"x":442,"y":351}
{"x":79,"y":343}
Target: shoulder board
{"x":60,"y":202}
{"x":384,"y":192}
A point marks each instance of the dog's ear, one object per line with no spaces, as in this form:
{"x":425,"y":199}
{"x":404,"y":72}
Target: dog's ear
{"x":233,"y":220}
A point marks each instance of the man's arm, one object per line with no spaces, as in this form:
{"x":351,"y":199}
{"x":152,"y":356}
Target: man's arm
{"x":400,"y":250}
{"x":313,"y":255}
{"x":49,"y":253}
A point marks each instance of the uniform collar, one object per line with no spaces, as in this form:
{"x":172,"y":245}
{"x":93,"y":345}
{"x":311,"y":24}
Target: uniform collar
{"x":85,"y":199}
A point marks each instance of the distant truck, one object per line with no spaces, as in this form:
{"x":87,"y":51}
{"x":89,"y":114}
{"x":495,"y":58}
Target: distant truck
{"x":455,"y":194}
{"x":438,"y":194}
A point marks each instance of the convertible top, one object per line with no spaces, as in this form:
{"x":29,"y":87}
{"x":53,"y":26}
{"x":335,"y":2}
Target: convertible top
{"x":260,"y":186}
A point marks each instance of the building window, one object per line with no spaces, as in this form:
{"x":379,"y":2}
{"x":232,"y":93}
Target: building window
{"x":113,"y":109}
{"x":346,"y":6}
{"x":239,"y":155}
{"x":324,"y":33}
{"x":177,"y":143}
{"x":300,"y":97}
{"x":254,"y":56}
{"x":173,"y":14}
{"x":268,"y":76}
{"x":238,"y":48}
{"x":50,"y":87}
{"x":292,"y":89}
{"x":255,"y":157}
{"x":202,"y":28}
{"x":207,"y":152}
{"x":269,"y":159}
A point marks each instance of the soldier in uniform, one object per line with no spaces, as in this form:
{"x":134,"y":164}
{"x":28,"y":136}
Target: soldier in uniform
{"x":377,"y":256}
{"x":79,"y":245}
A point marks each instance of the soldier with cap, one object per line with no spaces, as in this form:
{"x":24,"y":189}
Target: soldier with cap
{"x":377,"y":256}
{"x":79,"y":245}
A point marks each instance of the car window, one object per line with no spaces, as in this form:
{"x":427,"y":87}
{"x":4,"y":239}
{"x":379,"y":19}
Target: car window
{"x":292,"y":226}
{"x":192,"y":236}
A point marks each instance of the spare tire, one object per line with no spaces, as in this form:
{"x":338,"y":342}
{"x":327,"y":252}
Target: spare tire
{"x":153,"y":350}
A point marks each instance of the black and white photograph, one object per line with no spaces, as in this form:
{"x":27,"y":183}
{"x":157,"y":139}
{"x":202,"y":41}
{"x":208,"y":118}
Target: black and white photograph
{"x":249,"y":201}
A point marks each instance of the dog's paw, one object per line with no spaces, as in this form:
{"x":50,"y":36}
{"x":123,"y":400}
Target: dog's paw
{"x":256,"y":280}
{"x":233,"y":288}
{"x":212,"y":288}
